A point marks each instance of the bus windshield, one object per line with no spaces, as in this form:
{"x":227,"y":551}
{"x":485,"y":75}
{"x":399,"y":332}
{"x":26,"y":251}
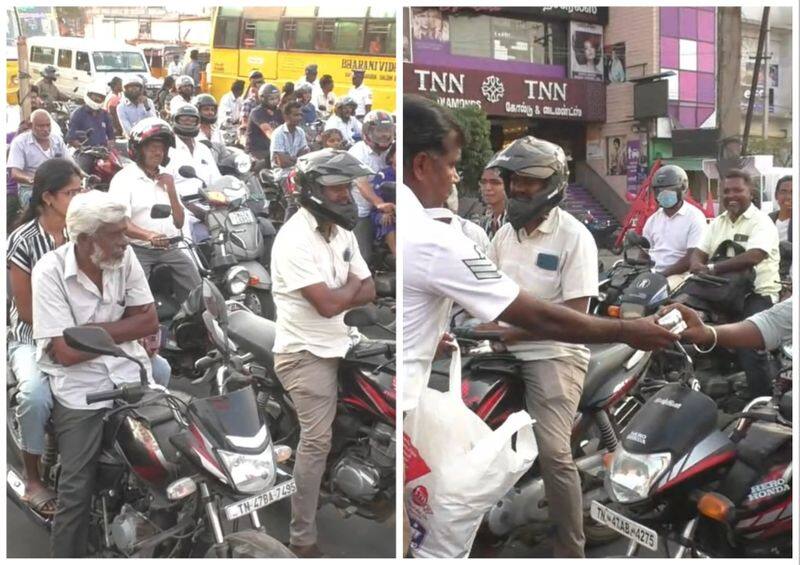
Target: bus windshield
{"x":119,"y":61}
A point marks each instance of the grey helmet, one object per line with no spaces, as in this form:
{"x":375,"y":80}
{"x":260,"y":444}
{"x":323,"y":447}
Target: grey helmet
{"x":206,"y":100}
{"x":671,"y":177}
{"x":269,"y":94}
{"x":50,"y":72}
{"x":535,"y":158}
{"x":329,"y":167}
{"x":185,"y":130}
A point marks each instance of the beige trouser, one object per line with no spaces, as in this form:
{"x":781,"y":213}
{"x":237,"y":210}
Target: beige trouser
{"x":552,"y":391}
{"x":311,"y":384}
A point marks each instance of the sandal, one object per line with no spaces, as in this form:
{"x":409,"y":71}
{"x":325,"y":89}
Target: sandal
{"x":40,"y":501}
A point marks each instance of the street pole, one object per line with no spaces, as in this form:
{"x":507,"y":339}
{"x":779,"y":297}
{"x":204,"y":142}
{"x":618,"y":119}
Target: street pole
{"x":24,"y":78}
{"x":729,"y":89}
{"x":762,"y":35}
{"x":768,"y":59}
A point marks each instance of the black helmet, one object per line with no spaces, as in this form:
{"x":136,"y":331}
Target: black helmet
{"x":50,"y":72}
{"x":147,"y":130}
{"x":269,"y":94}
{"x":206,"y":100}
{"x":671,"y":177}
{"x":183,"y":129}
{"x":329,"y":167}
{"x":535,"y":158}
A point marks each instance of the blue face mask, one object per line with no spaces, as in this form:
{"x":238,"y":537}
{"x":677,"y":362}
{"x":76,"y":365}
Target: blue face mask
{"x":667,"y":198}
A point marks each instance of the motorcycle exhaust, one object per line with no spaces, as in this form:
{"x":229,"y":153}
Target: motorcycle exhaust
{"x":526,"y":504}
{"x":16,"y":491}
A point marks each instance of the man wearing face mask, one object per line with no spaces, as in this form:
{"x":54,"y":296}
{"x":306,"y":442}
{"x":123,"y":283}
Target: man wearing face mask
{"x":318,"y":274}
{"x":134,"y":106}
{"x":550,"y":254}
{"x":185,"y":86}
{"x":676,"y":228}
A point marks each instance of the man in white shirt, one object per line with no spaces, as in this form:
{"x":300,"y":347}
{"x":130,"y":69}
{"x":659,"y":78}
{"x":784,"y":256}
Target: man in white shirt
{"x":142,"y":184}
{"x":783,"y":215}
{"x":185,"y":86}
{"x":93,"y":279}
{"x":746,"y":225}
{"x":323,"y":98}
{"x":230,"y":105}
{"x":175,"y":68}
{"x":676,"y":228}
{"x":310,"y":75}
{"x":343,"y":120}
{"x":378,"y":132}
{"x":361,"y":93}
{"x":318,"y":274}
{"x":441,"y":266}
{"x":550,"y":254}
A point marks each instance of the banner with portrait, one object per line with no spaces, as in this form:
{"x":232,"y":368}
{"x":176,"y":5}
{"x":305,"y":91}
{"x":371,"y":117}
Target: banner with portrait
{"x":586,"y":51}
{"x":616,"y":155}
{"x":614,"y":59}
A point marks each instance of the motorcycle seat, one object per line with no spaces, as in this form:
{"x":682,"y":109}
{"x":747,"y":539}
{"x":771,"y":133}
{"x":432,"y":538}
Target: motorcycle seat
{"x":254,"y":335}
{"x":604,"y":361}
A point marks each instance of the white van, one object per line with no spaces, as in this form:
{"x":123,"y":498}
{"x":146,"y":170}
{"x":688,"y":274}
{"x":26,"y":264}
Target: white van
{"x":80,"y":62}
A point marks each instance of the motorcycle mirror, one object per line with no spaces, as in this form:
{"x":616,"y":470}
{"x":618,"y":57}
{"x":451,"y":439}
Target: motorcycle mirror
{"x":644,"y":243}
{"x":187,"y":172}
{"x":91,"y":339}
{"x":160,"y":211}
{"x":362,"y":317}
{"x":215,"y":302}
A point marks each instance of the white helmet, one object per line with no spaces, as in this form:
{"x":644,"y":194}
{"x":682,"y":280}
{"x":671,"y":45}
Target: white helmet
{"x":95,"y":88}
{"x":184,"y":80}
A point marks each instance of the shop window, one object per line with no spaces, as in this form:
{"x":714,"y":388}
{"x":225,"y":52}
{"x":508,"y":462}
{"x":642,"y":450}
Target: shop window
{"x":260,"y":34}
{"x":299,"y":35}
{"x":65,"y":58}
{"x":226,"y":33}
{"x":471,"y":37}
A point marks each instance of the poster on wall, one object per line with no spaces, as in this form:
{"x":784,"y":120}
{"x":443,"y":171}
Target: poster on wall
{"x":586,"y":53}
{"x":633,"y":157}
{"x":429,"y":24}
{"x":615,"y":155}
{"x":407,"y":54}
{"x":774,"y":76}
{"x":614,"y":58}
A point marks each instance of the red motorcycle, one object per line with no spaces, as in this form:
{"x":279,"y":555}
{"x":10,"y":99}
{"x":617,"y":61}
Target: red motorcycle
{"x":98,"y":162}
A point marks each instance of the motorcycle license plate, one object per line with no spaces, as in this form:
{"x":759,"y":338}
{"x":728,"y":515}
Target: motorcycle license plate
{"x":628,"y":528}
{"x":239,"y":509}
{"x":240,"y":217}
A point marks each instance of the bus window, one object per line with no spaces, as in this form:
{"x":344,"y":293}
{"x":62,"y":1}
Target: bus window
{"x":82,"y":61}
{"x":260,"y":34}
{"x":344,"y":36}
{"x":380,"y":37}
{"x":299,"y":35}
{"x":65,"y":58}
{"x":226,"y":33}
{"x":43,"y":55}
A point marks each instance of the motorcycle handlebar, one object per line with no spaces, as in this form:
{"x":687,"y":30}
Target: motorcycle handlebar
{"x":383,"y":349}
{"x":94,"y":397}
{"x":470,"y":333}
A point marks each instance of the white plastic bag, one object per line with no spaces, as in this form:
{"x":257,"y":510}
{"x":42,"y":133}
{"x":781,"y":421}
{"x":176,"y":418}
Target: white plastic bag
{"x":457,"y":468}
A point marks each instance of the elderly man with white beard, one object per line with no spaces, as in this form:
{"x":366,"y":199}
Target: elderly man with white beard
{"x":92,"y":280}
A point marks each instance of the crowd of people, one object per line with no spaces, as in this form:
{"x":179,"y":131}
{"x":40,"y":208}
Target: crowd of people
{"x":78,"y":256}
{"x":529,"y":274}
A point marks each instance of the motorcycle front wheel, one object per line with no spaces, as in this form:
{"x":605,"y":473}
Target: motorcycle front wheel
{"x":249,"y":544}
{"x":260,"y":302}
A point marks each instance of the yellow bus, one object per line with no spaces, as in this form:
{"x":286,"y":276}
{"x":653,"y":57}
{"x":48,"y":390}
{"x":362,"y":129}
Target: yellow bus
{"x":281,"y":41}
{"x":29,"y":22}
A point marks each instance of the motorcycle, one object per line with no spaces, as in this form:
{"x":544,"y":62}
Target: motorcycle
{"x":61,"y":111}
{"x":168,"y":461}
{"x":98,"y":162}
{"x":493,"y":390}
{"x":621,"y":276}
{"x":715,"y":492}
{"x":360,"y":472}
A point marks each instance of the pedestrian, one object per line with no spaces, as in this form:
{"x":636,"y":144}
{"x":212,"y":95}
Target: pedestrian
{"x":175,"y":68}
{"x":361,"y":93}
{"x":192,"y":68}
{"x":783,"y":215}
{"x":165,"y":95}
{"x":230,"y":105}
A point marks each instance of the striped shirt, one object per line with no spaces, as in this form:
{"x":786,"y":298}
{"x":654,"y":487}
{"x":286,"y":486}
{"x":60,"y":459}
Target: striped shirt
{"x":26,"y":245}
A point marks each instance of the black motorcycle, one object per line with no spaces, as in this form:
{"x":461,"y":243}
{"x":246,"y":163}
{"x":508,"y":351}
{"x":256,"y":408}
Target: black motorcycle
{"x":621,"y":276}
{"x":172,"y":468}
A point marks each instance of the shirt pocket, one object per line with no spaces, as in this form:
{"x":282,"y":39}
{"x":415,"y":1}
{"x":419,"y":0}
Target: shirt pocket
{"x":542,"y":275}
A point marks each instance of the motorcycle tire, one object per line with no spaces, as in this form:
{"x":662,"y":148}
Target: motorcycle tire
{"x":260,"y":302}
{"x":249,"y":544}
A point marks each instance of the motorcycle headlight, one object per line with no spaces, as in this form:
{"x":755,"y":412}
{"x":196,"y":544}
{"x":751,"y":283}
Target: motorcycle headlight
{"x":250,"y":473}
{"x":237,"y":279}
{"x":630,"y":311}
{"x":632,"y":475}
{"x":242,"y":163}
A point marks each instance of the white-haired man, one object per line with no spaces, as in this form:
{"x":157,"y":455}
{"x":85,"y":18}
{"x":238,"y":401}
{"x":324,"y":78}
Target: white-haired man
{"x":93,"y":279}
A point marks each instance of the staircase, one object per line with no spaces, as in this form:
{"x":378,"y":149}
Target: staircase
{"x":578,"y":200}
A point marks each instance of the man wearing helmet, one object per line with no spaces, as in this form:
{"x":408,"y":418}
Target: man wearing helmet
{"x":361,"y":93}
{"x":676,"y":228}
{"x":262,"y":122}
{"x":206,"y":104}
{"x":185,"y":86}
{"x":552,"y":256}
{"x":288,"y":140}
{"x":142,"y":184}
{"x":378,"y":131}
{"x":343,"y":120}
{"x":251,"y":98}
{"x":303,"y":91}
{"x":134,"y":106}
{"x":188,"y":151}
{"x":318,"y":274}
{"x":93,"y":119}
{"x":48,"y":91}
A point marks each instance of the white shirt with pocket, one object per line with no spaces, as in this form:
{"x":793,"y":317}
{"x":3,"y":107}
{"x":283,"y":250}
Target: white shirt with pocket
{"x":555,"y":263}
{"x":64,"y":297}
{"x":301,"y":257}
{"x":440,"y":266}
{"x":671,"y":237}
{"x":201,"y":159}
{"x":363,"y":97}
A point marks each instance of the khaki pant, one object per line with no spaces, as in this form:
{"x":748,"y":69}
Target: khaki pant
{"x":311,"y":384}
{"x":552,"y":391}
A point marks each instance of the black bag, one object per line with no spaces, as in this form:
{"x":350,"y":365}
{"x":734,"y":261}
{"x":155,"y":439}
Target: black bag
{"x":727,"y":297}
